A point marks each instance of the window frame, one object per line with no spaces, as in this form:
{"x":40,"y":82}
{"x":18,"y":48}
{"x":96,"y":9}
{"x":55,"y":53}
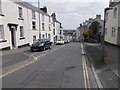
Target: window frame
{"x":21,"y":29}
{"x":33,"y":14}
{"x":20,"y":12}
{"x":33,"y":25}
{"x":115,"y":12}
{"x":43,"y":26}
{"x":2,"y":38}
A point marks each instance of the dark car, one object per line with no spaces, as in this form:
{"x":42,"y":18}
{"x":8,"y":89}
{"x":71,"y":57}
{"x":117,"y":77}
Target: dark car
{"x":40,"y":44}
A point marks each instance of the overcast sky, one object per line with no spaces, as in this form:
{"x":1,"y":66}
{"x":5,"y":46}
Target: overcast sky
{"x":73,"y":12}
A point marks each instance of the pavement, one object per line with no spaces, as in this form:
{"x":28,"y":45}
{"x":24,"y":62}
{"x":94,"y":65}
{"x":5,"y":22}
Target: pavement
{"x":63,"y":66}
{"x":107,"y":69}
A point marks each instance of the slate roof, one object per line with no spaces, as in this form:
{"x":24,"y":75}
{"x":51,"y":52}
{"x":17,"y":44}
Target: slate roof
{"x":27,"y":5}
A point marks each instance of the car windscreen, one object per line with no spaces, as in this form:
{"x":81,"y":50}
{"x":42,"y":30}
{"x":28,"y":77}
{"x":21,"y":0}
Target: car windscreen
{"x":39,"y":41}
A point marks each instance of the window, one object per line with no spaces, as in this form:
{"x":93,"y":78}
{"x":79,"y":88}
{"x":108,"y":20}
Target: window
{"x":33,"y":15}
{"x":42,"y":17}
{"x":43,"y":36}
{"x":113,"y":32}
{"x":34,"y":38}
{"x":43,"y":27}
{"x":1,"y":33}
{"x":49,"y":20}
{"x":53,"y":24}
{"x":49,"y":28}
{"x":0,"y":7}
{"x":115,"y":12}
{"x":106,"y":31}
{"x":20,"y":13}
{"x":21,"y":31}
{"x":53,"y":31}
{"x":49,"y":36}
{"x":60,"y":32}
{"x":34,"y":25}
{"x":46,"y":35}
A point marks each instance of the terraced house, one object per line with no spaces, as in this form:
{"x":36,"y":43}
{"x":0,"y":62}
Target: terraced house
{"x":112,"y":27}
{"x":20,"y":24}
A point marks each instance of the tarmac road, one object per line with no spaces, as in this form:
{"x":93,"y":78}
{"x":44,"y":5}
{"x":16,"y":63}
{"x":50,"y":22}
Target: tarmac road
{"x":60,"y":67}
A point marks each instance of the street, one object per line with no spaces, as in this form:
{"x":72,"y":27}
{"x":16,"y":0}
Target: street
{"x":59,"y":67}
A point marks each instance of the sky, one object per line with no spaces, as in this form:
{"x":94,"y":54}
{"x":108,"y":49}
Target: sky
{"x":71,"y":13}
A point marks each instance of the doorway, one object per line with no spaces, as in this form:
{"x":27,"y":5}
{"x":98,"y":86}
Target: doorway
{"x":13,"y":37}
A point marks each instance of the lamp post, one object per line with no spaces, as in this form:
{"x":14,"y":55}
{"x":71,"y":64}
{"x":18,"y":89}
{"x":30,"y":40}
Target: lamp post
{"x":39,"y":19}
{"x":103,"y":37}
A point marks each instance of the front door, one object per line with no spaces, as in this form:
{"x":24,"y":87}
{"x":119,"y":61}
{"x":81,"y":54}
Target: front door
{"x":13,"y":37}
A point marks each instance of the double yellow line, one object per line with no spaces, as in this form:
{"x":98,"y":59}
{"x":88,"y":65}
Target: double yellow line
{"x":86,"y":76}
{"x":85,"y":70}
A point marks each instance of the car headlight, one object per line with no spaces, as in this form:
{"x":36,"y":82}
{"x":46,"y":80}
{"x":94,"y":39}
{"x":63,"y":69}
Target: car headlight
{"x":41,"y":44}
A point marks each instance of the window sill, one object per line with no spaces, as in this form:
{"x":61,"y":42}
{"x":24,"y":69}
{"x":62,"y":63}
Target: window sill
{"x":20,"y":18}
{"x":34,"y":29}
{"x":3,"y":41}
{"x":2,"y":15}
{"x":22,"y":38}
{"x":34,"y":18}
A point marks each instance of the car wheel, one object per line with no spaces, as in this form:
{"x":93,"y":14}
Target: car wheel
{"x":44,"y":48}
{"x":49,"y":47}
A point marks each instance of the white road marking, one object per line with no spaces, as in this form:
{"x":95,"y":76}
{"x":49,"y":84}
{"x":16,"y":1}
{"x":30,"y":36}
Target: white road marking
{"x":22,"y":66}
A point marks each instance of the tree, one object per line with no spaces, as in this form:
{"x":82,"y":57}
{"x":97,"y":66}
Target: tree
{"x":95,"y":27}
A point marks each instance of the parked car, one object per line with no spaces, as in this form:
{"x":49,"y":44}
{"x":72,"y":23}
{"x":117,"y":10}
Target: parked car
{"x":65,"y":41}
{"x":40,"y":44}
{"x":60,"y":42}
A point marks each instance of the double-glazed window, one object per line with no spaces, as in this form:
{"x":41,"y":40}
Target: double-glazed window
{"x":0,"y":7}
{"x":34,"y":38}
{"x":20,"y":12}
{"x":34,"y":25}
{"x":53,"y":31}
{"x":1,"y":32}
{"x":42,"y":17}
{"x":115,"y":13}
{"x":49,"y":28}
{"x":113,"y":31}
{"x":53,"y":24}
{"x":60,"y":32}
{"x":49,"y":36}
{"x":33,"y":15}
{"x":43,"y":36}
{"x":43,"y":26}
{"x":21,"y":32}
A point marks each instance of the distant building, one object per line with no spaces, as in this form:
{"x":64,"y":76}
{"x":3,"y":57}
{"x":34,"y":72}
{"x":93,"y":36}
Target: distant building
{"x":86,"y":25}
{"x":112,"y":26}
{"x":69,"y":34}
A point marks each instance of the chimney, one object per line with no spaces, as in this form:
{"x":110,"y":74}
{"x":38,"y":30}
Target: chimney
{"x":53,"y":16}
{"x":44,"y":9}
{"x":80,"y":25}
{"x":98,"y":16}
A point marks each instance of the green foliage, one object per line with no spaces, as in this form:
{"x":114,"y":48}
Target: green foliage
{"x":95,"y":26}
{"x":88,"y":33}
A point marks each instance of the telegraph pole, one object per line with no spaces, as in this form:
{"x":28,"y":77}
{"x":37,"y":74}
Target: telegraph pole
{"x":39,"y":20}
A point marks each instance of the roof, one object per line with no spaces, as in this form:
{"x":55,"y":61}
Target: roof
{"x":114,"y":3}
{"x":27,"y":5}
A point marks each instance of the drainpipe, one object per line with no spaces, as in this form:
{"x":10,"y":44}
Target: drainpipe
{"x":39,"y":19}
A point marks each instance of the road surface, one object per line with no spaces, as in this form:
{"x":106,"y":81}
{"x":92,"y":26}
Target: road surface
{"x":60,"y":67}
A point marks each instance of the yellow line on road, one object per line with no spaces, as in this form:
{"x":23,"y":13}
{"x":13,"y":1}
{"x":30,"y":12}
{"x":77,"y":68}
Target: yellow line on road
{"x":85,"y":82}
{"x":85,"y":70}
{"x":1,"y":76}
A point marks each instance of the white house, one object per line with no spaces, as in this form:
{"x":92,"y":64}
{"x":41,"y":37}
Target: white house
{"x":20,"y":24}
{"x":57,"y":28}
{"x":112,"y":26}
